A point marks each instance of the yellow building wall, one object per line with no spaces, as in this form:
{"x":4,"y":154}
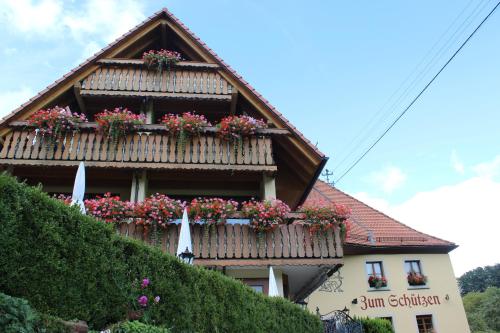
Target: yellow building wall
{"x":440,"y":297}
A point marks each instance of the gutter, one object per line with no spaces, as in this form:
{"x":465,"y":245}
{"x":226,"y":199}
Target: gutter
{"x":313,"y":181}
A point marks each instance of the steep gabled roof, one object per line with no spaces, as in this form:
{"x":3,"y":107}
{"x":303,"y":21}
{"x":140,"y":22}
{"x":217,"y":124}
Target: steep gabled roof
{"x":373,"y":229}
{"x":105,"y":52}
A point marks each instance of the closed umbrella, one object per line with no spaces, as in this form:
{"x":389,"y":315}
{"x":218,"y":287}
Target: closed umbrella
{"x":184,"y":248}
{"x":273,"y":286}
{"x":79,"y":188}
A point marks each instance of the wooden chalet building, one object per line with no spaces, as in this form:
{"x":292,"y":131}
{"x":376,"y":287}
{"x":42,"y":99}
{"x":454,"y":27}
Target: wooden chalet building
{"x":276,"y":162}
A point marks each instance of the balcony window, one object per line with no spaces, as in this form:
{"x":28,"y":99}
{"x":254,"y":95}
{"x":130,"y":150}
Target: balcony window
{"x":376,"y":277}
{"x":424,"y":324}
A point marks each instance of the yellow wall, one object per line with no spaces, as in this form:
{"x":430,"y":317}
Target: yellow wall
{"x":448,"y":315}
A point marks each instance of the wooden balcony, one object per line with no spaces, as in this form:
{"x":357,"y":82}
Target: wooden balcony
{"x":239,"y":245}
{"x":150,"y":148}
{"x":131,"y":78}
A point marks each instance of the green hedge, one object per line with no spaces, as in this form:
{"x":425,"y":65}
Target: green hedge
{"x":376,"y":325}
{"x":137,"y":327}
{"x":70,"y":266}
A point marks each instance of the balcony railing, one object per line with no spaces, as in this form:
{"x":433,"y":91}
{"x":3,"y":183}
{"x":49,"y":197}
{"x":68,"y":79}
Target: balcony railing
{"x":238,"y":244}
{"x":152,"y":147}
{"x":186,"y":80}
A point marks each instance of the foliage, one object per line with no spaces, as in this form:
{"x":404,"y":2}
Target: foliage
{"x":109,"y":209}
{"x":233,"y":128}
{"x":265,"y":215}
{"x":16,"y":315}
{"x":117,"y":123}
{"x":377,"y":282}
{"x":376,"y":325}
{"x":137,"y":327}
{"x":162,"y":58}
{"x":416,"y":279}
{"x":72,"y":266}
{"x":54,"y":122}
{"x":479,"y":279}
{"x":483,"y":310}
{"x":212,"y":210}
{"x":321,"y":217}
{"x":143,"y":298}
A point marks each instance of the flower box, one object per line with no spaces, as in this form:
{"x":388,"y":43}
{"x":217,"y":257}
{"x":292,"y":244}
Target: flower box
{"x":377,"y":282}
{"x":415,"y":279}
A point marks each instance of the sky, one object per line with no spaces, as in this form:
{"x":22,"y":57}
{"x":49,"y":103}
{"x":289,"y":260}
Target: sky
{"x":341,"y":71}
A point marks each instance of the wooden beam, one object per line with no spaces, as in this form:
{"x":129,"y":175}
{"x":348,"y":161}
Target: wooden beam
{"x":163,"y":28}
{"x":156,"y":95}
{"x":79,"y":100}
{"x":142,"y":165}
{"x":140,"y":62}
{"x":234,"y":102}
{"x":267,"y":262}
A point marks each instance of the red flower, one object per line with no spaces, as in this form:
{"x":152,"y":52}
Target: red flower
{"x":265,"y":215}
{"x":109,"y":209}
{"x":161,"y":58}
{"x":212,"y":210}
{"x":235,"y":127}
{"x":118,"y":123}
{"x":159,"y":208}
{"x":322,"y":216}
{"x":56,"y":121}
{"x":188,"y":122}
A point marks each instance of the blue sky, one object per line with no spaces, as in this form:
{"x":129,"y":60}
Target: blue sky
{"x":330,"y":67}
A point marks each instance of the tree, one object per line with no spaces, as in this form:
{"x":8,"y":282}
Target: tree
{"x":483,"y":310}
{"x":479,"y":279}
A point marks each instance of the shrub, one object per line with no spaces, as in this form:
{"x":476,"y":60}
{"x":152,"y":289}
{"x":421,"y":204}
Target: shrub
{"x":16,"y":315}
{"x":72,"y":266}
{"x":376,"y":325}
{"x":137,"y":327}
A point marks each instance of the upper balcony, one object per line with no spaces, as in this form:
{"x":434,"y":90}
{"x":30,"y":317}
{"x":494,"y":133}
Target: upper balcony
{"x":132,"y":78}
{"x":151,"y":147}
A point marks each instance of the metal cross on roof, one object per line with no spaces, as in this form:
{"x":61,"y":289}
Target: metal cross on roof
{"x":327,"y":174}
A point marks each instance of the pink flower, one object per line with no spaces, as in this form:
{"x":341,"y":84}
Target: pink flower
{"x":145,"y":283}
{"x":143,"y":300}
{"x":157,"y":299}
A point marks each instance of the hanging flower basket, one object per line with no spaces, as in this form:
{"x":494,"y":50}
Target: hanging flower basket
{"x":321,"y":217}
{"x":54,"y":122}
{"x":161,"y":59}
{"x":212,"y":211}
{"x":183,"y":126}
{"x":415,"y":279}
{"x":158,"y":208}
{"x":109,"y":209}
{"x":265,"y":215}
{"x":233,"y":128}
{"x":377,"y":282}
{"x":117,"y":123}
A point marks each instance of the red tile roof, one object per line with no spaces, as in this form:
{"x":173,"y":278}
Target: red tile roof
{"x":370,"y":227}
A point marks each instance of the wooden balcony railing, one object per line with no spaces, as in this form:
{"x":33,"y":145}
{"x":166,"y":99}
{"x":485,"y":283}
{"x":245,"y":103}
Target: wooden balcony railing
{"x":238,"y":244}
{"x":149,"y":149}
{"x":132,"y":78}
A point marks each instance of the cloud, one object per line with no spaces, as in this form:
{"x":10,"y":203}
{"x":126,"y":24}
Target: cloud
{"x":467,"y":213}
{"x":11,"y":99}
{"x":94,"y":19}
{"x":389,"y":179}
{"x":456,"y":163}
{"x":27,"y":16}
{"x":488,"y":169}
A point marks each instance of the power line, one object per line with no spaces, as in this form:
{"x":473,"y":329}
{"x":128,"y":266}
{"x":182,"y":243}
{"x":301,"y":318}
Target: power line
{"x":419,"y":94}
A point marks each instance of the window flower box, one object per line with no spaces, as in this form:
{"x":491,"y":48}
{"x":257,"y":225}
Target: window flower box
{"x":416,"y":279}
{"x":377,"y":282}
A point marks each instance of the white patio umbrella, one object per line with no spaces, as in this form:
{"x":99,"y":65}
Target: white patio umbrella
{"x":79,"y":188}
{"x":273,"y":286}
{"x":184,"y":248}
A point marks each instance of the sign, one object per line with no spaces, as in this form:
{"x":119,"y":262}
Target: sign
{"x":402,"y":301}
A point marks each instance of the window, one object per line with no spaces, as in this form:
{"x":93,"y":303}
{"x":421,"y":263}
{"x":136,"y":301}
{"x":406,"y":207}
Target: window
{"x":374,"y":268}
{"x":389,"y":319}
{"x":375,"y":271}
{"x":424,"y":324}
{"x":258,"y":288}
{"x":413,"y":266}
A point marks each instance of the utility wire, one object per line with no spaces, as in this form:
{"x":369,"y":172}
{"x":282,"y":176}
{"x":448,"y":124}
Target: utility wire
{"x":419,"y":94}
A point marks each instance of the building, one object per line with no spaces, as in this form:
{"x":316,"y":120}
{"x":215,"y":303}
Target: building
{"x":275,"y":162}
{"x":381,"y":246}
